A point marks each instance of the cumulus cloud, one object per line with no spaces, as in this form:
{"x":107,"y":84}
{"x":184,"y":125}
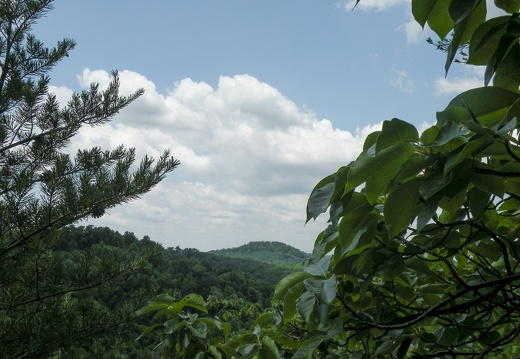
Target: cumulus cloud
{"x":472,"y":77}
{"x":249,"y":158}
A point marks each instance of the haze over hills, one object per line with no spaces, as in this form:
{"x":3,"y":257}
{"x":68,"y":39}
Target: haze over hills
{"x":277,"y":253}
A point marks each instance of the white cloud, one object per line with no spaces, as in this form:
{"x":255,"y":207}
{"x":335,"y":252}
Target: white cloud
{"x":402,"y":81}
{"x":249,"y":159}
{"x":413,"y":31}
{"x":62,"y":93}
{"x":471,"y":77}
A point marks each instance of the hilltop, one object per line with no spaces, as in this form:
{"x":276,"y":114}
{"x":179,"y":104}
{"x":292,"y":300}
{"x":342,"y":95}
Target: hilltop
{"x":277,"y":253}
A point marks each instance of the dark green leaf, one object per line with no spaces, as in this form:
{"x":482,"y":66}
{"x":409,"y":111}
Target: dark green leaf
{"x":288,"y":282}
{"x":396,"y":131}
{"x":401,"y":206}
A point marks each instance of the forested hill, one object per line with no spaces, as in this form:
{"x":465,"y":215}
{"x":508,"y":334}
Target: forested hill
{"x":268,"y":252}
{"x":182,"y":271}
{"x":235,"y":289}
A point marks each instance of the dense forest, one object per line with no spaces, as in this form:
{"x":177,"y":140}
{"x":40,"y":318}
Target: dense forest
{"x":237,"y":290}
{"x":269,"y":252}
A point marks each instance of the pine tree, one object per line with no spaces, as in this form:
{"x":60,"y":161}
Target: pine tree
{"x":44,"y":188}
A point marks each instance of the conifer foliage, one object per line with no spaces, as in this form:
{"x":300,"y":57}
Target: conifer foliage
{"x":43,"y":188}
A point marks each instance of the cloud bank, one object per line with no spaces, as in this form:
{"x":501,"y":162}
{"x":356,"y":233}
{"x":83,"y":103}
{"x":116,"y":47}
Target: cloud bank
{"x":249,"y":159}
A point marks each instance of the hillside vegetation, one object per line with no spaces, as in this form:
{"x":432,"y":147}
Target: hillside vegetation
{"x":236,"y":289}
{"x":276,"y":253}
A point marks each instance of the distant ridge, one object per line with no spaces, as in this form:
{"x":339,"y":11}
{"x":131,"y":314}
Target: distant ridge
{"x":277,"y":253}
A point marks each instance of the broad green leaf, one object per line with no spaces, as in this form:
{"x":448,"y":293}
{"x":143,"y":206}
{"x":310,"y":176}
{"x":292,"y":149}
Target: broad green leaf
{"x":459,"y":9}
{"x":485,"y":100}
{"x":269,"y":349}
{"x":434,"y":183}
{"x":421,"y":10}
{"x":377,"y":171}
{"x":448,"y":132}
{"x":340,"y":181}
{"x":288,"y":282}
{"x":489,"y":183}
{"x":453,"y":202}
{"x":508,"y":72}
{"x":505,"y":43}
{"x":307,"y":349}
{"x":436,"y":14}
{"x":290,"y":300}
{"x":317,"y":266}
{"x":401,"y":206}
{"x":478,"y":201}
{"x":150,"y":329}
{"x":514,"y":111}
{"x":191,"y":300}
{"x":320,"y":197}
{"x":371,"y":139}
{"x":396,"y":131}
{"x":323,"y":289}
{"x":457,"y":114}
{"x":485,"y":39}
{"x":487,"y":249}
{"x":353,"y":223}
{"x":509,"y":6}
{"x":470,"y":150}
{"x":428,"y":211}
{"x":403,"y":348}
{"x":287,"y":341}
{"x":305,"y":305}
{"x":150,"y":308}
{"x":248,"y":350}
{"x":411,"y":168}
{"x":467,"y":20}
{"x":430,"y":134}
{"x":264,"y":320}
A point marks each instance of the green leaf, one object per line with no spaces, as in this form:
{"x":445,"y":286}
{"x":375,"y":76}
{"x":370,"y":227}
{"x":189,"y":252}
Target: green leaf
{"x":353,"y":225}
{"x":401,"y":206}
{"x":317,"y":266}
{"x":396,"y":131}
{"x":305,"y":305}
{"x":468,"y":151}
{"x":191,"y":300}
{"x":288,"y":282}
{"x":508,"y":73}
{"x":485,"y":101}
{"x":434,"y":183}
{"x":489,"y":183}
{"x":435,"y":12}
{"x":378,"y":171}
{"x":290,"y":300}
{"x":460,"y":9}
{"x":269,"y":349}
{"x":478,"y":201}
{"x":505,"y":43}
{"x":421,"y":10}
{"x":448,"y":132}
{"x":323,"y":289}
{"x":485,"y":39}
{"x":264,"y":320}
{"x":403,"y":348}
{"x":319,"y":199}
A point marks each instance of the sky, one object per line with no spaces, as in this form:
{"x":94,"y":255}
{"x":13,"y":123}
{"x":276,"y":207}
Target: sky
{"x":258,"y":100}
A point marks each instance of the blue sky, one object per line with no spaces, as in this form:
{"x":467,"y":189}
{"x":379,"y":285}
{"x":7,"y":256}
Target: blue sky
{"x":258,"y":99}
